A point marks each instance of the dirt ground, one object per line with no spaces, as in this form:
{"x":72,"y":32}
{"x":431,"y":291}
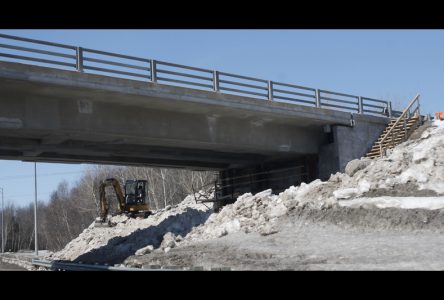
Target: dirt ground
{"x":334,"y":239}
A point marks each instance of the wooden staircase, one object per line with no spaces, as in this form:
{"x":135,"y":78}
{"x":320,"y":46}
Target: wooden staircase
{"x":398,"y":130}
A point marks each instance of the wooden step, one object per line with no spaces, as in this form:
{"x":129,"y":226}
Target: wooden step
{"x":407,"y":120}
{"x":402,"y":123}
{"x":373,"y":153}
{"x":397,"y":128}
{"x":395,"y":132}
{"x":395,"y":135}
{"x":410,"y":121}
{"x":390,"y":139}
{"x":376,"y":147}
{"x":386,"y":145}
{"x":400,"y":126}
{"x":411,"y":118}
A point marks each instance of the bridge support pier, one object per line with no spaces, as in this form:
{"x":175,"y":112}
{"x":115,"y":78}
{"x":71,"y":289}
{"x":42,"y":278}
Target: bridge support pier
{"x":345,"y":143}
{"x":277,"y":175}
{"x":341,"y":145}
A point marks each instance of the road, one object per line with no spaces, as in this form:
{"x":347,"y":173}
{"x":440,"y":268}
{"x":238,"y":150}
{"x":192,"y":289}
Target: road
{"x":10,"y":267}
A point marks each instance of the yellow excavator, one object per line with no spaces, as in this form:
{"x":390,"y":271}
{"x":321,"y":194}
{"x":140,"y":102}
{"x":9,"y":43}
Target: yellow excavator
{"x":132,"y":203}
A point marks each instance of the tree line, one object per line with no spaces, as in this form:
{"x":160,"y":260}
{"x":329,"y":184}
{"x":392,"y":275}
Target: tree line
{"x":72,"y":209}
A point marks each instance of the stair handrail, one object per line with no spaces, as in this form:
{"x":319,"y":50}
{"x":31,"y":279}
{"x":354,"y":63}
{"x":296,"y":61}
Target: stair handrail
{"x":397,"y":121}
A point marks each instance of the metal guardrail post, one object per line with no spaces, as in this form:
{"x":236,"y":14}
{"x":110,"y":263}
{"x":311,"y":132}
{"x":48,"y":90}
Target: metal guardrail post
{"x":360,"y":105}
{"x":318,"y":98}
{"x":153,"y":67}
{"x":389,"y":109}
{"x":216,"y":81}
{"x":270,"y":90}
{"x":79,"y":59}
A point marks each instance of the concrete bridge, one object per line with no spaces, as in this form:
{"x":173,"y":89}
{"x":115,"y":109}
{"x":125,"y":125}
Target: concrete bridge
{"x":61,"y":115}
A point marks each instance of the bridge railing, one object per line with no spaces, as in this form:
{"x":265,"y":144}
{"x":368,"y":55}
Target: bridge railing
{"x":43,"y":53}
{"x":107,"y":62}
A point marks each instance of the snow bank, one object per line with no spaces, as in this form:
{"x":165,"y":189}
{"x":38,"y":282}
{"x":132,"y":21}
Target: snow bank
{"x":417,"y":163}
{"x":130,"y":235}
{"x":249,"y":213}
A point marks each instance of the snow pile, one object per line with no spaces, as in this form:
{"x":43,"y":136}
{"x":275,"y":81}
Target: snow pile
{"x":409,"y":174}
{"x":249,"y":213}
{"x":410,"y":168}
{"x":261,"y":212}
{"x":161,"y":229}
{"x":317,"y":194}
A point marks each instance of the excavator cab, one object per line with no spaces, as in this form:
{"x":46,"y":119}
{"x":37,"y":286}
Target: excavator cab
{"x":135,"y":198}
{"x":135,"y":192}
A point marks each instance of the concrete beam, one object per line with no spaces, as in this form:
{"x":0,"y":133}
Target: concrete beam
{"x":58,"y":115}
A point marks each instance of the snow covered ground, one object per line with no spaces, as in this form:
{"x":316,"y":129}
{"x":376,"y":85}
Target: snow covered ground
{"x":398,"y":202}
{"x":398,"y":191}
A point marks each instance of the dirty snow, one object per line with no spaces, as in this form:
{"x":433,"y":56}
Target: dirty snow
{"x":399,"y":180}
{"x":398,"y":202}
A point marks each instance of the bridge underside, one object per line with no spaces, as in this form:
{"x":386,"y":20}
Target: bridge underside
{"x":72,"y":151}
{"x":51,"y":115}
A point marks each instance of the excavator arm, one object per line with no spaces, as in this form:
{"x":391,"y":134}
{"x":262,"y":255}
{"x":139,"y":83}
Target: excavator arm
{"x":104,"y":203}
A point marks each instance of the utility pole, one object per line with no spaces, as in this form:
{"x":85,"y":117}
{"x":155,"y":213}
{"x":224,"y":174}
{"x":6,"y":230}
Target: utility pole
{"x":3,"y":225}
{"x":35,"y":209}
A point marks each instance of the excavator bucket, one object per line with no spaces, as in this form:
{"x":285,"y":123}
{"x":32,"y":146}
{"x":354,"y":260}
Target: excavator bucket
{"x":101,"y":223}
